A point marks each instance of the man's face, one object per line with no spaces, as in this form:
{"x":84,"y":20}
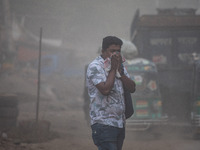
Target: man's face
{"x":113,"y":50}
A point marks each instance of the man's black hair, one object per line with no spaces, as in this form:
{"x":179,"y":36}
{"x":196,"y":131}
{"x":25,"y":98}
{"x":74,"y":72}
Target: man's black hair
{"x":110,"y":40}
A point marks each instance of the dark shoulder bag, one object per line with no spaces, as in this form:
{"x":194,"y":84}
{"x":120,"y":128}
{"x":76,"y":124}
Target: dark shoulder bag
{"x":128,"y":104}
{"x":128,"y":101}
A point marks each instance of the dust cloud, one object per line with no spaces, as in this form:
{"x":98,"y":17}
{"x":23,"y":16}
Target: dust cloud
{"x":72,"y":32}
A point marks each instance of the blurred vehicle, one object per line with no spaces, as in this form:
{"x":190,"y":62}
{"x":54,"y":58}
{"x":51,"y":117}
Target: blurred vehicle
{"x":171,"y":40}
{"x":147,"y":99}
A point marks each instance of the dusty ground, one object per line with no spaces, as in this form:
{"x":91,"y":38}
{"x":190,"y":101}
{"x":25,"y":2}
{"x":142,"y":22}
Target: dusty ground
{"x":68,"y":129}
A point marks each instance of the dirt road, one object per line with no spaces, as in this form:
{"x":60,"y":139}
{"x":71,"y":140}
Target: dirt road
{"x":75,"y":134}
{"x":67,"y":119}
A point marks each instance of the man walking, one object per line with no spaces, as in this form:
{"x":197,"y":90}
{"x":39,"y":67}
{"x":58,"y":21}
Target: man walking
{"x":106,"y":80}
